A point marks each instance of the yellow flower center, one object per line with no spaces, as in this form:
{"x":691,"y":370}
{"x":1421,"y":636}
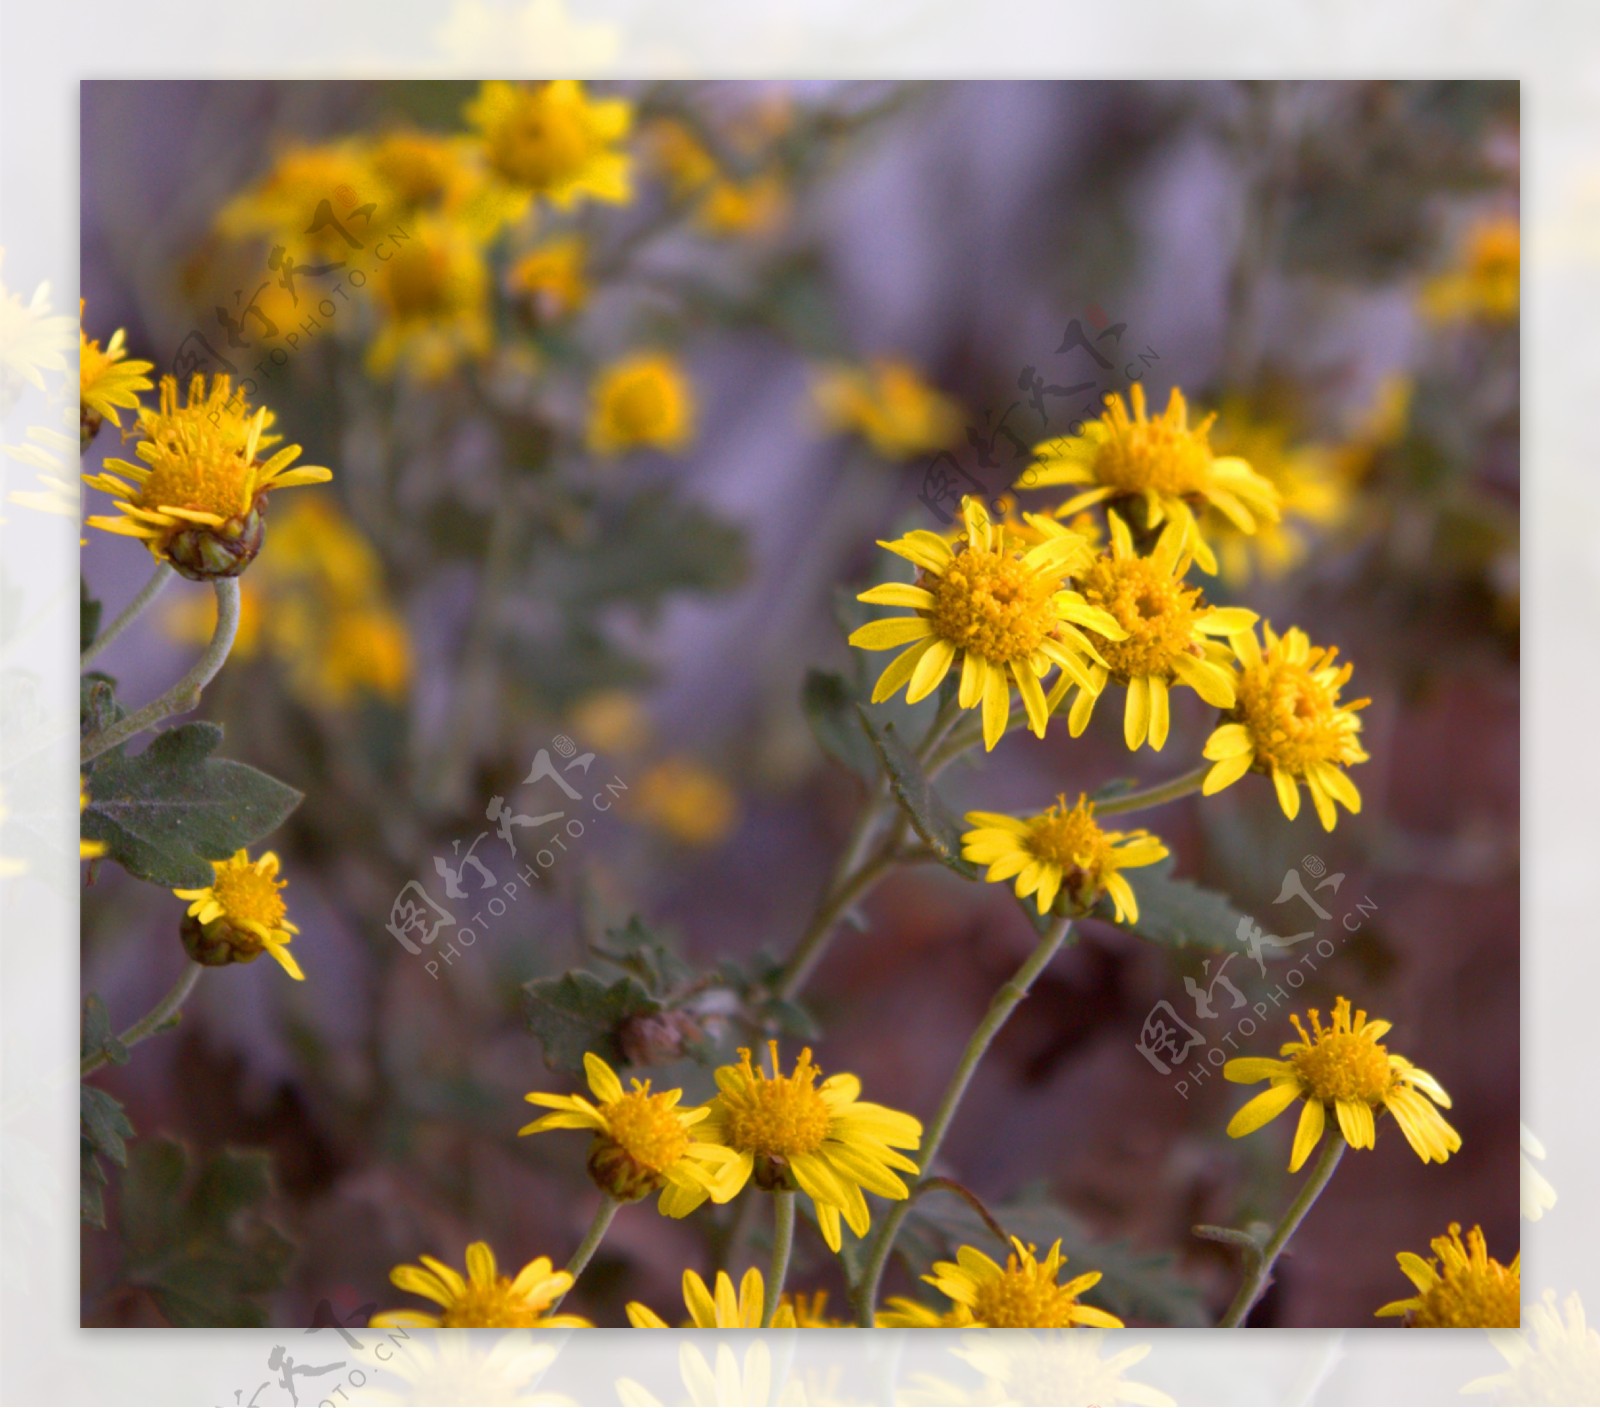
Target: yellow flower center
{"x":1473,"y":1291}
{"x":639,"y":408}
{"x":648,"y":1129}
{"x":1156,"y":610}
{"x":490,"y":1308}
{"x":1339,"y":1064}
{"x":1294,"y":718}
{"x":991,"y":604}
{"x":416,"y":282}
{"x":542,"y":143}
{"x":1022,"y":1297}
{"x":776,"y":1116}
{"x":1162,"y":455}
{"x":248,"y":895}
{"x":1069,"y":837}
{"x":199,"y":456}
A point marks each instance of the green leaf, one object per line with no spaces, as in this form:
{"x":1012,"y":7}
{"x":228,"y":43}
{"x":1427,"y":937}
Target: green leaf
{"x":96,"y":1036}
{"x":89,"y":612}
{"x":170,"y":811}
{"x":578,"y":1013}
{"x":649,"y":956}
{"x":103,"y":1129}
{"x":830,"y":706}
{"x":929,"y":816}
{"x":1179,"y":913}
{"x":97,"y":703}
{"x":196,"y":1238}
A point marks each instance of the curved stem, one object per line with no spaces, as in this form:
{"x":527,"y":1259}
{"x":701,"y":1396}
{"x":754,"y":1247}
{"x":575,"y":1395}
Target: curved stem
{"x":782,"y":1242}
{"x":130,"y":613}
{"x":1258,"y":1275}
{"x":591,"y":1240}
{"x":1180,"y":786}
{"x":152,"y":1021}
{"x":1001,"y":1006}
{"x":184,"y":695}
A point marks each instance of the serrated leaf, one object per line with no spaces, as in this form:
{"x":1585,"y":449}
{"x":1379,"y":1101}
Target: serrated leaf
{"x":830,"y":708}
{"x":578,"y":1013}
{"x":197,"y":1239}
{"x":95,"y":1036}
{"x":929,"y":816}
{"x":648,"y":955}
{"x":1179,"y":913}
{"x":167,"y":813}
{"x":103,"y":1130}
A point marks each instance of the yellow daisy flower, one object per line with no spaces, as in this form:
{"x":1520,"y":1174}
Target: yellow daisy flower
{"x":87,"y":850}
{"x":423,"y":172}
{"x":1344,"y":1066}
{"x":1287,"y":721}
{"x":722,"y":1309}
{"x":810,"y":1311}
{"x":1487,"y":281}
{"x":108,"y":380}
{"x":1166,"y":636}
{"x":1556,"y":1358}
{"x":432,"y":296}
{"x":889,"y":405}
{"x":1005,"y":610}
{"x":641,"y":402}
{"x":240,"y":913}
{"x":285,"y":203}
{"x":549,"y":138}
{"x":483,"y":1299}
{"x":1165,"y":463}
{"x":1460,"y":1287}
{"x":1061,"y":851}
{"x":688,"y":802}
{"x":551,"y":277}
{"x":790,"y":1133}
{"x":1023,"y":1294}
{"x":197,"y":500}
{"x":642,"y":1141}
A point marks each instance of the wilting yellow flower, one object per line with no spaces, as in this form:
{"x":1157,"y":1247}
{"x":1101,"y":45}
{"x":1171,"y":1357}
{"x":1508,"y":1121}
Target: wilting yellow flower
{"x":549,"y":138}
{"x":551,"y":277}
{"x":240,"y":913}
{"x":432,"y":295}
{"x":722,"y":1309}
{"x":1165,"y":636}
{"x":643,"y":1141}
{"x":1022,"y":1294}
{"x":483,"y":1299}
{"x":108,"y":380}
{"x":642,"y":402}
{"x":1486,"y":282}
{"x":889,"y":405}
{"x":612,"y":721}
{"x":1005,"y":611}
{"x":1062,"y":850}
{"x":197,"y":500}
{"x":33,"y":340}
{"x":1538,"y":1197}
{"x":87,"y":850}
{"x":1460,"y":1287}
{"x":1556,"y":1358}
{"x":1287,"y":721}
{"x":689,"y":803}
{"x":791,"y":1133}
{"x":1164,"y":463}
{"x":1344,"y":1066}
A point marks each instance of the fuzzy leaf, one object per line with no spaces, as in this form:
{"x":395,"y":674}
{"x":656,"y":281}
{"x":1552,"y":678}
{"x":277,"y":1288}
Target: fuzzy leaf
{"x":830,"y":706}
{"x":170,"y":811}
{"x":1179,"y":913}
{"x":929,"y":816}
{"x":103,"y":1129}
{"x":649,"y":956}
{"x":578,"y":1013}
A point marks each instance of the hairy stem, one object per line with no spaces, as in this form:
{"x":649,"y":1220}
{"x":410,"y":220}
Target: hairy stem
{"x":782,"y":1242}
{"x":152,"y":1021}
{"x":184,"y":695}
{"x":591,"y":1240}
{"x":1180,"y":786}
{"x":130,"y":613}
{"x":1258,"y":1273}
{"x":1001,"y":1006}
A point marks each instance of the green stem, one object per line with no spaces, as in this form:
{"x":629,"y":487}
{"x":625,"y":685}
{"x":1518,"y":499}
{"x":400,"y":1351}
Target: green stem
{"x":152,"y":1021}
{"x":1180,"y":786}
{"x":184,"y":695}
{"x":1258,"y":1275}
{"x":1001,"y":1006}
{"x":591,"y":1240}
{"x":782,"y":1242}
{"x":130,"y":613}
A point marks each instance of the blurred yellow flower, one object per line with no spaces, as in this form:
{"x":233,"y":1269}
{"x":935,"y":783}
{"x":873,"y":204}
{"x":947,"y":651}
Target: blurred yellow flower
{"x":1022,"y":1294}
{"x":484,"y":1299}
{"x":1164,"y":463}
{"x":1007,"y":613}
{"x":551,"y":277}
{"x":889,"y":405}
{"x":197,"y":500}
{"x":1380,"y":427}
{"x":688,"y":802}
{"x":432,"y":295}
{"x":1486,"y":281}
{"x":87,"y":850}
{"x":1461,"y":1287}
{"x":612,"y":721}
{"x":1166,"y":636}
{"x":108,"y":380}
{"x":33,"y":340}
{"x":752,"y":206}
{"x":1062,"y":850}
{"x":641,"y":402}
{"x":240,"y":914}
{"x":679,"y":156}
{"x":551,"y":139}
{"x":1555,"y":1359}
{"x":314,"y":200}
{"x":1288,"y":722}
{"x":643,"y":1141}
{"x":721,"y":1309}
{"x":1343,"y":1065}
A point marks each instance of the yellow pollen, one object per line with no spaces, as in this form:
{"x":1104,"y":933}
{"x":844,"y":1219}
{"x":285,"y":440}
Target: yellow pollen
{"x":1163,"y":455}
{"x":1023,"y":1297}
{"x":1295,"y":718}
{"x":777,"y":1116}
{"x":247,"y":895}
{"x":1070,"y":838}
{"x":991,"y":604}
{"x":1473,"y":1290}
{"x":490,"y":1307}
{"x":1156,"y":610}
{"x":198,"y":459}
{"x":647,"y":1128}
{"x":1338,"y":1064}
